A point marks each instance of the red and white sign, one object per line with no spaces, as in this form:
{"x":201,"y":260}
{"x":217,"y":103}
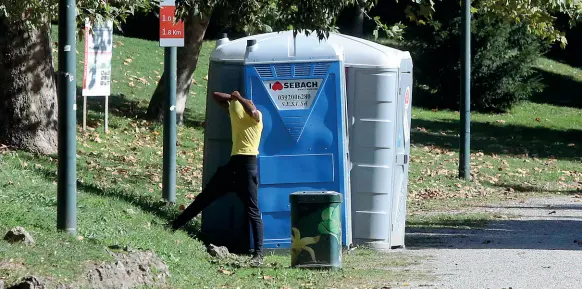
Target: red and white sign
{"x":97,"y":60}
{"x":171,"y":34}
{"x":293,"y":94}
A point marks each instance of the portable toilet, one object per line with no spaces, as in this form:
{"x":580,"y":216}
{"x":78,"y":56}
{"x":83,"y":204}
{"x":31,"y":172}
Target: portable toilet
{"x":334,"y":120}
{"x":379,"y":95}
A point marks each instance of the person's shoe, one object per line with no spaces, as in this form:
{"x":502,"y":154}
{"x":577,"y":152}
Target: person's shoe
{"x":257,"y":260}
{"x":171,"y":226}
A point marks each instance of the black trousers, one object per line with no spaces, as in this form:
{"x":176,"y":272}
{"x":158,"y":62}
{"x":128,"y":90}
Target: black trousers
{"x":240,"y":175}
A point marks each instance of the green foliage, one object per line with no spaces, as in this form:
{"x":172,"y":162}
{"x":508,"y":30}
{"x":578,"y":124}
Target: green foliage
{"x":536,"y":15}
{"x":33,"y":12}
{"x":306,"y":16}
{"x":302,"y":16}
{"x":502,"y":58}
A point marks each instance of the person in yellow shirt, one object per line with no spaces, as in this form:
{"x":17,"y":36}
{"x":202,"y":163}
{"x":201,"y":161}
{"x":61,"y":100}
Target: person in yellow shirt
{"x":240,"y":174}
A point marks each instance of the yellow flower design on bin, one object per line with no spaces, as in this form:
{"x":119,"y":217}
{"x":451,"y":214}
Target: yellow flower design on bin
{"x":298,"y":244}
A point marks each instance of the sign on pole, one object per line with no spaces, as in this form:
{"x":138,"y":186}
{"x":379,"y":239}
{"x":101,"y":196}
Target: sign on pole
{"x":171,"y":34}
{"x":97,"y":65}
{"x":171,"y":37}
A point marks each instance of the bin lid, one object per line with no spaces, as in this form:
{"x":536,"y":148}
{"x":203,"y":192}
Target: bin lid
{"x":315,"y":197}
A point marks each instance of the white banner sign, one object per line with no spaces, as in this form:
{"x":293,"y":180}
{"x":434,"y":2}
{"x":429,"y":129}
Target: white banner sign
{"x":293,"y":94}
{"x":98,"y":53}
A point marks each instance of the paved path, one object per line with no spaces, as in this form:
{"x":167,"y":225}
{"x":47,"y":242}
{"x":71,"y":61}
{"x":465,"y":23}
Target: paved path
{"x":537,"y":247}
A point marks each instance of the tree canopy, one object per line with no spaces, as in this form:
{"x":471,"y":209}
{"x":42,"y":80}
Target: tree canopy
{"x":32,"y":12}
{"x":319,"y":16}
{"x":305,"y":16}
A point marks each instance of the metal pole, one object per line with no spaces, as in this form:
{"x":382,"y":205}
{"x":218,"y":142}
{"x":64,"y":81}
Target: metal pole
{"x":107,"y":114}
{"x":169,"y":178}
{"x":67,"y":148}
{"x":465,"y":145}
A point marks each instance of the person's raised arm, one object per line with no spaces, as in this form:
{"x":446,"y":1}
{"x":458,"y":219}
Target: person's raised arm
{"x":222,"y":99}
{"x":248,"y":106}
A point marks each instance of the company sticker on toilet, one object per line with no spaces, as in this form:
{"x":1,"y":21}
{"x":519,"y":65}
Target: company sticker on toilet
{"x":293,"y":94}
{"x":407,"y":97}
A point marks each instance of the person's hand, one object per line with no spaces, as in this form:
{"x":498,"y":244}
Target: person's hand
{"x":236,"y":95}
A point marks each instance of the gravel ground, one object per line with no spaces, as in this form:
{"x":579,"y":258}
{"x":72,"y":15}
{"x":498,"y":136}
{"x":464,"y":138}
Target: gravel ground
{"x":539,"y":246}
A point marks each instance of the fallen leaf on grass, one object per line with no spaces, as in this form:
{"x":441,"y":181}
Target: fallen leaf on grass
{"x":182,"y":207}
{"x":500,"y":121}
{"x":538,"y":119}
{"x":80,"y":238}
{"x":267,"y":277}
{"x":224,"y":271}
{"x":571,"y":144}
{"x":206,"y":77}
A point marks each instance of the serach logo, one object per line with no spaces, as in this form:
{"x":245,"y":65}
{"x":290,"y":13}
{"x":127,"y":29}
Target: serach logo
{"x":277,"y":86}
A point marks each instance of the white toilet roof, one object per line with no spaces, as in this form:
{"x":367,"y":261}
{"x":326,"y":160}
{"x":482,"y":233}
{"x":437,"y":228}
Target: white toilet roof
{"x":280,"y":47}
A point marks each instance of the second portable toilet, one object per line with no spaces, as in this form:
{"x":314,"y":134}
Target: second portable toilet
{"x":336,"y":118}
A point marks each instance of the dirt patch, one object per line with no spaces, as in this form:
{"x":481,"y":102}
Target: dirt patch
{"x":129,"y":270}
{"x":12,"y":265}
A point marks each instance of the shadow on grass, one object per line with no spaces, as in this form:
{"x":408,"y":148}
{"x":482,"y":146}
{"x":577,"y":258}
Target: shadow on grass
{"x":560,"y":90}
{"x":121,"y":106}
{"x":193,"y":119}
{"x":491,"y":138}
{"x":147,"y":203}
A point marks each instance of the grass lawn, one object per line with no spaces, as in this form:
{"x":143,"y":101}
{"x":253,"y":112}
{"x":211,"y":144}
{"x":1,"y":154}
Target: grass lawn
{"x":535,"y":149}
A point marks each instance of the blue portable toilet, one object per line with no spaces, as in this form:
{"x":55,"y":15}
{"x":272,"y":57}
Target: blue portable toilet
{"x":334,"y":120}
{"x":297,"y":85}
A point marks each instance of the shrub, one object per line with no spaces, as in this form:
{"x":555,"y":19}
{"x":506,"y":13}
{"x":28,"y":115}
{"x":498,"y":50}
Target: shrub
{"x":502,"y":59}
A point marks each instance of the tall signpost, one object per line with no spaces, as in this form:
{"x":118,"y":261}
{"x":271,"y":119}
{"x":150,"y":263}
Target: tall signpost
{"x":171,"y":36}
{"x":465,"y":142}
{"x":67,"y":148}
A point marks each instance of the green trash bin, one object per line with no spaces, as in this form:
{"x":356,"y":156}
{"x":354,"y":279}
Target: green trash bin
{"x":316,"y":230}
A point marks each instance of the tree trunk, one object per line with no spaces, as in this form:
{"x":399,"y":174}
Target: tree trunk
{"x":28,"y":94}
{"x":195,"y":28}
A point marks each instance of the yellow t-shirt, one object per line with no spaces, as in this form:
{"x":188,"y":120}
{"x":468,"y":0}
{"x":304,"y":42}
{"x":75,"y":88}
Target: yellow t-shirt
{"x":246,"y":131}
